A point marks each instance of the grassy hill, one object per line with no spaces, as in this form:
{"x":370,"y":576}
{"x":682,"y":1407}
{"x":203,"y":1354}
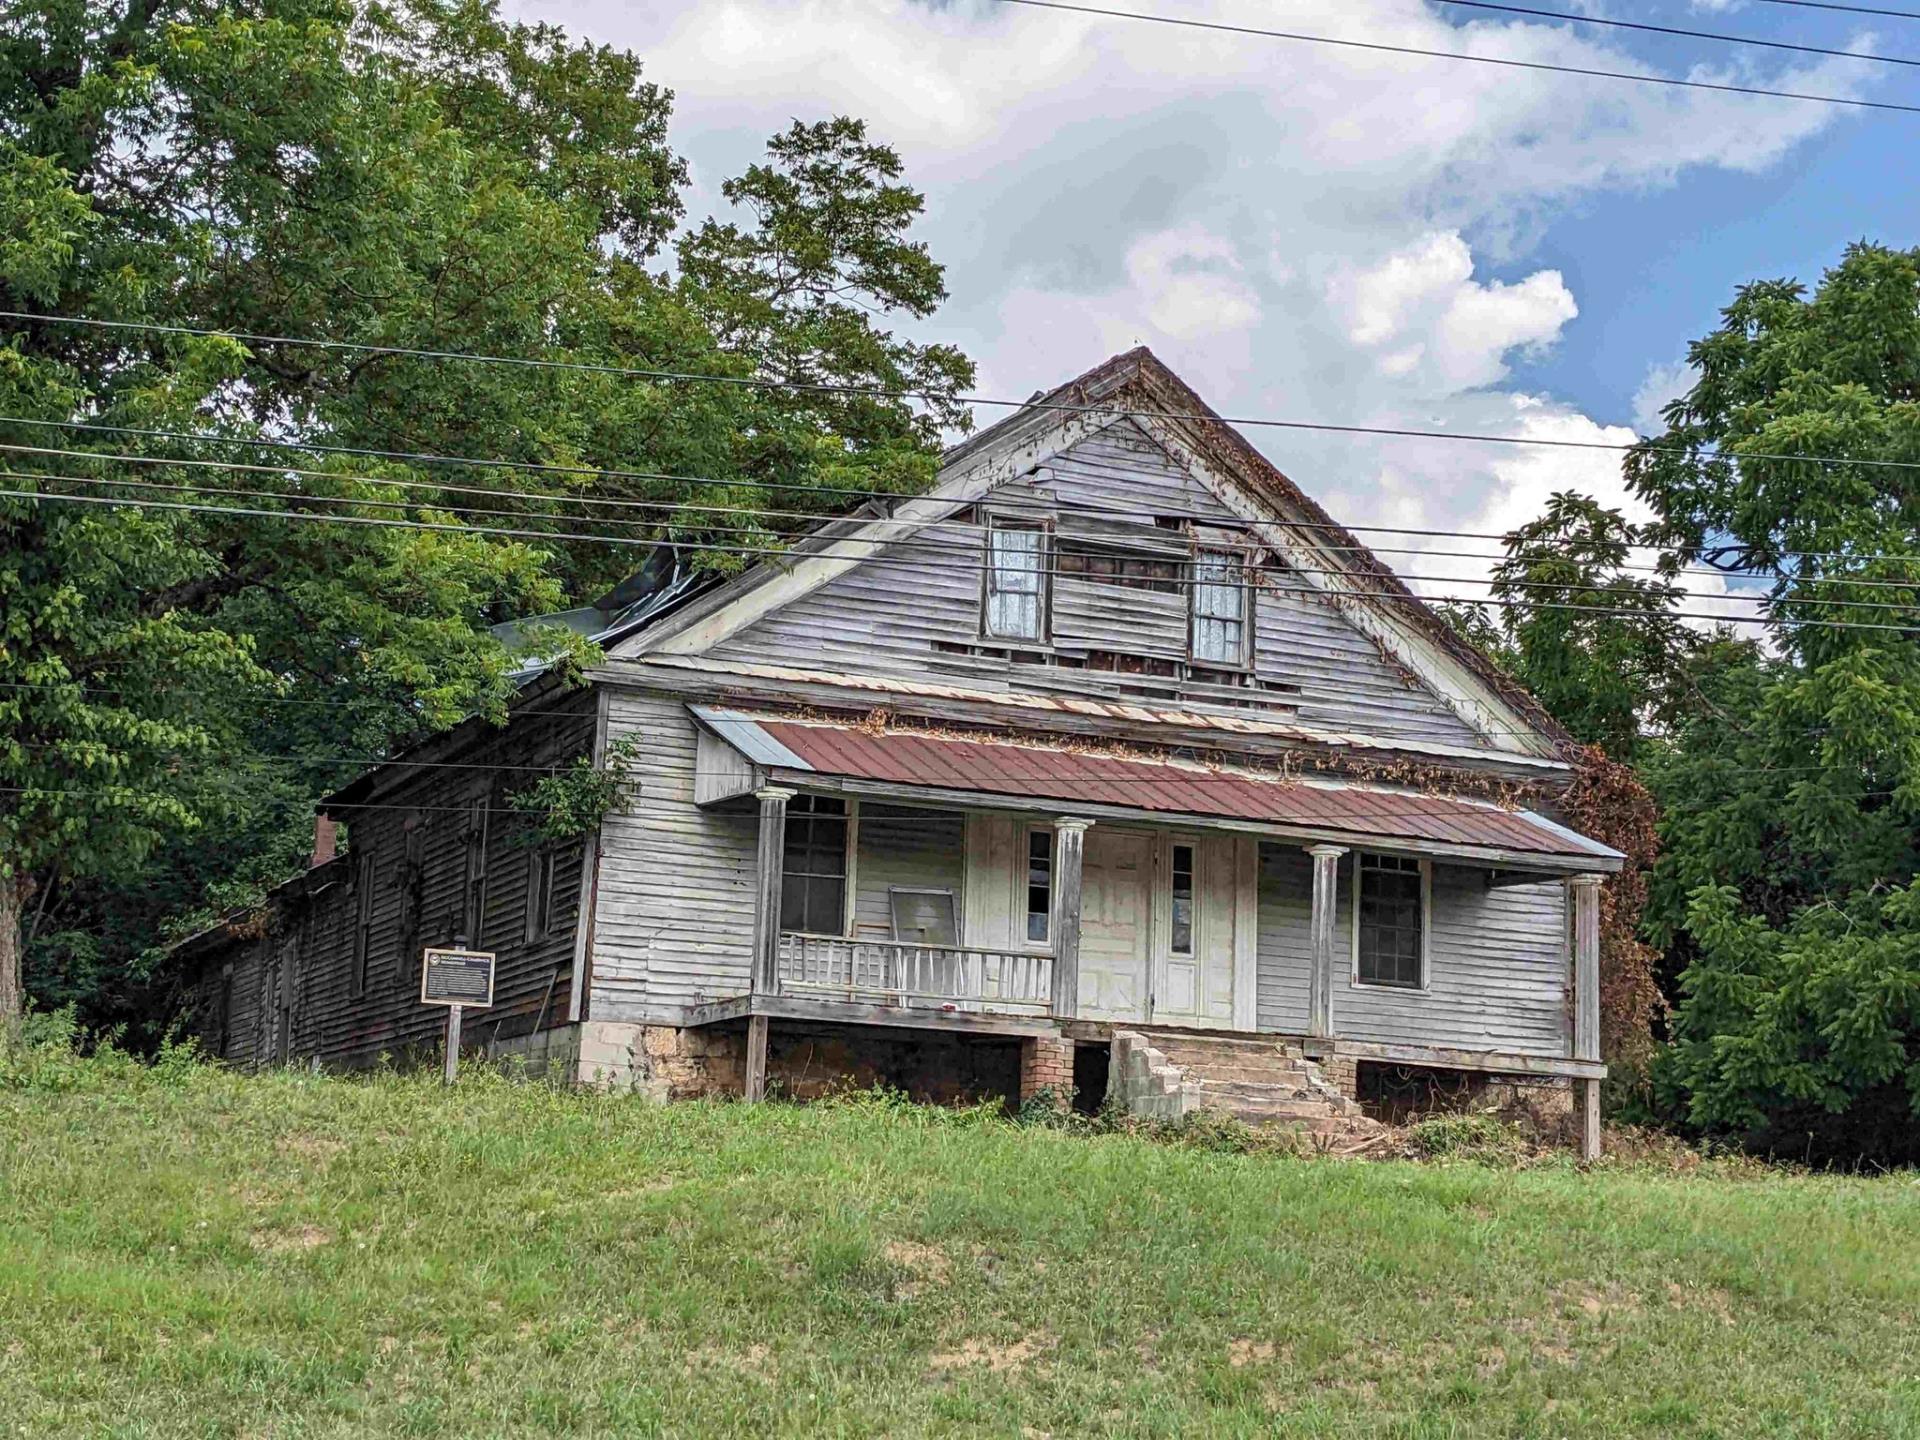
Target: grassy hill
{"x":184,"y":1252}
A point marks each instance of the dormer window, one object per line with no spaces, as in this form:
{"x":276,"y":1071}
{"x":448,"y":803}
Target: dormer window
{"x":1221,"y":634}
{"x":1018,"y":583}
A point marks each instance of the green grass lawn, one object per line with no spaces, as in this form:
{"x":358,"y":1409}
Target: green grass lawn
{"x":287,"y":1255}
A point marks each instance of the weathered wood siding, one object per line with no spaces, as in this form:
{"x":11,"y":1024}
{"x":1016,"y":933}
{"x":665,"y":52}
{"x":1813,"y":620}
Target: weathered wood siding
{"x":310,"y":944}
{"x":1497,"y":966}
{"x":897,"y":845}
{"x":673,"y":924}
{"x":907,"y":613}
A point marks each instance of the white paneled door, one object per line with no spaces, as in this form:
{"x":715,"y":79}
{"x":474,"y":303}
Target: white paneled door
{"x":1115,"y":924}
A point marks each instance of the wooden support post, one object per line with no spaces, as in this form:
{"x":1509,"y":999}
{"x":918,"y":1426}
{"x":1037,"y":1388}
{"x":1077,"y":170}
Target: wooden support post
{"x":766,"y":912}
{"x":1326,"y":903}
{"x":1583,"y":895}
{"x":453,"y":1044}
{"x":1586,"y":1102}
{"x":1069,"y":850}
{"x":756,"y":1087}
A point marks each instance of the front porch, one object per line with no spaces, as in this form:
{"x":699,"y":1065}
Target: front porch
{"x":1363,"y":923}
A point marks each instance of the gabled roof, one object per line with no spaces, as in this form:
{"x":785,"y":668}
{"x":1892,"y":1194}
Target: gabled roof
{"x":1138,"y":385}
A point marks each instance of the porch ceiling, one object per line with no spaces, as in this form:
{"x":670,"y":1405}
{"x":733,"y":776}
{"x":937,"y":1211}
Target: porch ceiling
{"x":1080,"y":779}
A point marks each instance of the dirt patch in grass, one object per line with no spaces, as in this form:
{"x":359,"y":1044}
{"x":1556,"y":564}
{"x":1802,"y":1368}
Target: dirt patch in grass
{"x":992,"y":1355}
{"x":291,"y":1240}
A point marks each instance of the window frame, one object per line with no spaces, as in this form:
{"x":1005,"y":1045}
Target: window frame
{"x":851,"y":820}
{"x":953,"y":903}
{"x":474,"y":839}
{"x":366,"y":871}
{"x":543,"y":866}
{"x":1021,"y":940}
{"x":410,"y":877}
{"x":1002,"y":520}
{"x":1242,"y":559}
{"x":1175,"y":844}
{"x":1360,"y":859}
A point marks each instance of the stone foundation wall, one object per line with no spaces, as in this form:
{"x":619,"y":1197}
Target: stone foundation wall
{"x":1398,"y":1093}
{"x":803,"y":1062}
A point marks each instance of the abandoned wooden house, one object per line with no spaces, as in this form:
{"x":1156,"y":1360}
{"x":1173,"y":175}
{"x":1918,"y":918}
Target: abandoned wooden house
{"x":1111,"y":764}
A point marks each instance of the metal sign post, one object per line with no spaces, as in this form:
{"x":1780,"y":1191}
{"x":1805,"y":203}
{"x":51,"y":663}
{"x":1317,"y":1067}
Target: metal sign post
{"x":456,"y":979}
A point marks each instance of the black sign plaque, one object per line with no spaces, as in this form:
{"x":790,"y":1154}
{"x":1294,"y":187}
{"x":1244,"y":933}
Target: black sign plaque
{"x":457,"y":977}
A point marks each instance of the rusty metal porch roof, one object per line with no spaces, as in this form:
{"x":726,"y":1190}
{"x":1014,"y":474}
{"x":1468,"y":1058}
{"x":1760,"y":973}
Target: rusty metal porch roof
{"x":1030,"y":768}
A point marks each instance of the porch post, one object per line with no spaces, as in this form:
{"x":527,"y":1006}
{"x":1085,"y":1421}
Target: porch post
{"x":1583,"y":895}
{"x":766,"y":913}
{"x":1326,"y":901}
{"x":1069,"y":848}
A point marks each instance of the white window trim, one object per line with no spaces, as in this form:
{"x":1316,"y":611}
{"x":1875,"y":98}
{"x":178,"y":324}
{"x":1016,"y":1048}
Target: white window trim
{"x":953,"y":898}
{"x":1425,"y":986}
{"x":1005,"y":520}
{"x":1195,"y":941}
{"x":1243,"y":559}
{"x":1018,"y":928}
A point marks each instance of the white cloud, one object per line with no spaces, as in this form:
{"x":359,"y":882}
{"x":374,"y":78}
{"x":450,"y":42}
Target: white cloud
{"x":1302,"y":231}
{"x":1661,"y":385}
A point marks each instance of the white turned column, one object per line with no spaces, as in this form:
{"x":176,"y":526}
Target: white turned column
{"x":1583,"y":897}
{"x":771,"y":865}
{"x":1326,"y":903}
{"x":1069,"y":850}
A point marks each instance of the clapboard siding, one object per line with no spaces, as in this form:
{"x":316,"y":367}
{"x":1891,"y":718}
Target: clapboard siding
{"x":673,"y":923}
{"x":1497,"y":966}
{"x":906,"y":613}
{"x":922,"y":849}
{"x":311,"y":923}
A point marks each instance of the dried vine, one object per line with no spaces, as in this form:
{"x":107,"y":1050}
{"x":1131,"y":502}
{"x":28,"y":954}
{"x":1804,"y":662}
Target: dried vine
{"x":1608,"y":802}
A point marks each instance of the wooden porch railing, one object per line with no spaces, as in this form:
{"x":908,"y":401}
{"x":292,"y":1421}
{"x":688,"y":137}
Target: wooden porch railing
{"x":891,"y":972}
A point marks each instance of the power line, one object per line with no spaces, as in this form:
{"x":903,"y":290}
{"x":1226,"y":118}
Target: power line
{"x":761,"y":512}
{"x":943,"y":556}
{"x":878,"y":393}
{"x":1382,"y":47}
{"x":1850,"y":9}
{"x":360,"y":520}
{"x":1716,"y":35}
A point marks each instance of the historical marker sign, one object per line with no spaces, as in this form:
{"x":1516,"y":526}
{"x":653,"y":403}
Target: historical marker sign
{"x":457,"y":977}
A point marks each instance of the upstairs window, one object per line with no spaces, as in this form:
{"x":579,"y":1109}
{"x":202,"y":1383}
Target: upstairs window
{"x":1018,"y":583}
{"x":813,"y":884}
{"x":1390,"y":922}
{"x":1220,"y":630}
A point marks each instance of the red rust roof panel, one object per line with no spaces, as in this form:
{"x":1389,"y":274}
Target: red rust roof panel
{"x":998,"y":768}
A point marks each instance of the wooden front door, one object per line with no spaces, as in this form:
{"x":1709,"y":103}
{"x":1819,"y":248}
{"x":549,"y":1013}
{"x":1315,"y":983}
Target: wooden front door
{"x":1115,"y":924}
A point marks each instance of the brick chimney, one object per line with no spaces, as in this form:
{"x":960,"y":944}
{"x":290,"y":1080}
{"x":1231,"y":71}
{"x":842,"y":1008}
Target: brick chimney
{"x":324,"y":827}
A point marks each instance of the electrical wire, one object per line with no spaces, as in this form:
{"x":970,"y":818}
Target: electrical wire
{"x":940,"y":551}
{"x":1849,"y":9}
{"x":1647,"y":27}
{"x":1382,"y":47}
{"x":876,"y":393}
{"x":471,"y":532}
{"x":810,"y":516}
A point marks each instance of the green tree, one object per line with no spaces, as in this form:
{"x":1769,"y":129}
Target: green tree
{"x":1791,"y":802}
{"x":422,"y":175}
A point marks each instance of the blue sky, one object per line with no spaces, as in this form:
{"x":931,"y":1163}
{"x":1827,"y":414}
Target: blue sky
{"x":1324,"y":234}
